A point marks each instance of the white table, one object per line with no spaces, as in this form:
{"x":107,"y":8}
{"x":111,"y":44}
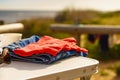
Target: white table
{"x":67,"y":69}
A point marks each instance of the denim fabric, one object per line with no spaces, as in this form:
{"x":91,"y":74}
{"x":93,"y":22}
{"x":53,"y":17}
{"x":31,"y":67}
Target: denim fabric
{"x":83,"y":54}
{"x":44,"y":58}
{"x":64,"y":55}
{"x":40,"y":58}
{"x":23,"y":42}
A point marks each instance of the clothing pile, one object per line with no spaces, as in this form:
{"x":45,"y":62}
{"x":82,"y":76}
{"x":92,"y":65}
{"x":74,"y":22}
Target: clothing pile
{"x":45,"y":49}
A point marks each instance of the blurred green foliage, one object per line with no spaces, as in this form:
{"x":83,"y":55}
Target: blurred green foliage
{"x":36,"y":27}
{"x":115,"y":67}
{"x":104,"y":73}
{"x":41,"y":26}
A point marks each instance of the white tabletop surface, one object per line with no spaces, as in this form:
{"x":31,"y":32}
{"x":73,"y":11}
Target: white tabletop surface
{"x":24,"y":70}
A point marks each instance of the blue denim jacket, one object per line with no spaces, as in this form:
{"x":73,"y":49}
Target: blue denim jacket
{"x":40,"y":58}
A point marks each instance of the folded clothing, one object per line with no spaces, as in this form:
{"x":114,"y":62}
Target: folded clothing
{"x":45,"y":58}
{"x":61,"y":49}
{"x":50,"y":46}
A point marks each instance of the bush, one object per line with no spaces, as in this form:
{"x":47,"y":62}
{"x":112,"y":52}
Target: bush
{"x":116,"y":68}
{"x":104,"y":73}
{"x":115,"y":51}
{"x":40,"y":27}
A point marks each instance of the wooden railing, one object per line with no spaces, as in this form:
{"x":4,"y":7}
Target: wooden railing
{"x":77,"y":30}
{"x":14,"y":27}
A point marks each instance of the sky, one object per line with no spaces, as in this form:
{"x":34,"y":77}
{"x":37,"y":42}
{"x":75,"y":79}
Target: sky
{"x":56,"y":5}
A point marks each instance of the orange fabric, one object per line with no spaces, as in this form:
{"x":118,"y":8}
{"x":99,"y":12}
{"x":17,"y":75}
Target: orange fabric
{"x":49,"y":45}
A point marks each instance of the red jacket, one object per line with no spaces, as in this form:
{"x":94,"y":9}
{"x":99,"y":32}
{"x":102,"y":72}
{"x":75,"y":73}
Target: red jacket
{"x":49,"y":45}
